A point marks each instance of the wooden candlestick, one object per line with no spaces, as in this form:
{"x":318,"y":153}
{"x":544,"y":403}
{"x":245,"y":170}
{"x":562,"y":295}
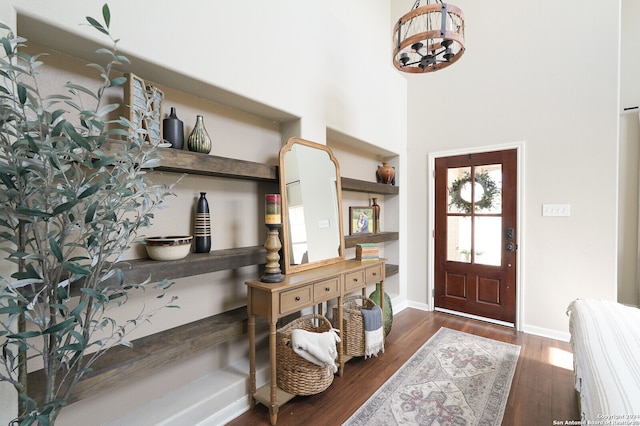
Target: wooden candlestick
{"x":272,"y":273}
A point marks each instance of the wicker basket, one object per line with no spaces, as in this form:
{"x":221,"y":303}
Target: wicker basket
{"x":295,"y":374}
{"x":353,"y":324}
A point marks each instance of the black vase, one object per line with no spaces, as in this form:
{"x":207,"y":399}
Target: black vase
{"x":202,"y":227}
{"x":173,"y":130}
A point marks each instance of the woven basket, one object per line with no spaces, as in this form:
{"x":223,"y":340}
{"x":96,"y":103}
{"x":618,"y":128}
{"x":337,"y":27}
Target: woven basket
{"x":295,"y":374}
{"x":353,"y":324}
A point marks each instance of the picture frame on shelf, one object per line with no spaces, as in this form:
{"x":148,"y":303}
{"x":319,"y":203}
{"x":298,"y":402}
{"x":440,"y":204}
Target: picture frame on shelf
{"x":361,"y":220}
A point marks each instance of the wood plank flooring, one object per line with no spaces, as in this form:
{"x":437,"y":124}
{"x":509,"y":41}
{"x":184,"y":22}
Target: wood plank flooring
{"x":542,"y":389}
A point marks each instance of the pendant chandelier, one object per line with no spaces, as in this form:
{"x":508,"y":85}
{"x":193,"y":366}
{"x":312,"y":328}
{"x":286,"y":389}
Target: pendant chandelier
{"x":428,"y":38}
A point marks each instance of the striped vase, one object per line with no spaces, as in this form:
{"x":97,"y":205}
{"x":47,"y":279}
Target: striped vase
{"x":202,"y":226}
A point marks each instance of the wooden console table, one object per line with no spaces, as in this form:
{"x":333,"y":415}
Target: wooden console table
{"x":299,"y":291}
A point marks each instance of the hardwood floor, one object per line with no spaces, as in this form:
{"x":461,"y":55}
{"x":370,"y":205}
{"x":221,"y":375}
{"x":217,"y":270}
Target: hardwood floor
{"x":542,"y":389}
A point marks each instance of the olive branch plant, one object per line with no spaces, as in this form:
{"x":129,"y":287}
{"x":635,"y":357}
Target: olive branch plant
{"x":69,"y":210}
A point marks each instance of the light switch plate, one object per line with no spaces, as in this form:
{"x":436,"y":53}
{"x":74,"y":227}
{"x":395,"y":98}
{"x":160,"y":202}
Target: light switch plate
{"x":556,"y":210}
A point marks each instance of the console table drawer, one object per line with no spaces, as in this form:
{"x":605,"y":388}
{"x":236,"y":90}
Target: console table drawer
{"x":354,"y":281}
{"x":295,"y":300}
{"x":326,"y":290}
{"x":374,"y":274}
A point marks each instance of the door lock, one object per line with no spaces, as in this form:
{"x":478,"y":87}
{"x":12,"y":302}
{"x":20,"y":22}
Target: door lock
{"x":510,"y":246}
{"x":509,"y":233}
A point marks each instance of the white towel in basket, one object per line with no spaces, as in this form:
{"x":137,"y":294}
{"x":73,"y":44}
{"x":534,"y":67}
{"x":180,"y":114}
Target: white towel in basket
{"x":373,"y":331}
{"x":318,"y":348}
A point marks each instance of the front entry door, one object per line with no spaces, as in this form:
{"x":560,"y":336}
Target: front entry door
{"x":475,"y":234}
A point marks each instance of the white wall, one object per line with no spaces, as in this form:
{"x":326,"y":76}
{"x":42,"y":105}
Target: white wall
{"x":545,"y":76}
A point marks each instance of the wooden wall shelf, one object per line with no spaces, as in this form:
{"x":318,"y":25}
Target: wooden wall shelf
{"x":195,"y":264}
{"x":351,"y":240}
{"x":349,"y":184}
{"x":151,"y":353}
{"x":182,"y":161}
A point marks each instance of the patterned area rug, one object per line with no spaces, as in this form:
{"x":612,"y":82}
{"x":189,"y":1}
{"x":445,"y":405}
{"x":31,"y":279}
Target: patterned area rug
{"x":456,"y":378}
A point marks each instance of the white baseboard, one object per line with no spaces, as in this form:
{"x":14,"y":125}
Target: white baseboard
{"x":547,"y":332}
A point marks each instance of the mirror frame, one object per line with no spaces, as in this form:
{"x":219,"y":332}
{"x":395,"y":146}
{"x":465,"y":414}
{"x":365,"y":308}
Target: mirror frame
{"x":286,"y":248}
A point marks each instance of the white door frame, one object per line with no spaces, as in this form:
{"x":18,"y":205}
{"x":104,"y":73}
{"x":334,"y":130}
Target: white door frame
{"x":519,"y":147}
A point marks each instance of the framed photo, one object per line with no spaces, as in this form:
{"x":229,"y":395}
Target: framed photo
{"x":361,"y":220}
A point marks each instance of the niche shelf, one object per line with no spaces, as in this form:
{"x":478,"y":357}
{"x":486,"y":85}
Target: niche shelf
{"x":153,"y":352}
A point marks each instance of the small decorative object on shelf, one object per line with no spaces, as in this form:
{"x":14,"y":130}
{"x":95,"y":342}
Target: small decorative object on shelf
{"x":385,"y":173}
{"x":199,"y":140}
{"x":367,"y":251}
{"x":388,"y":308}
{"x":168,"y":248}
{"x":361,"y":220}
{"x":145,"y":107}
{"x":273,"y":221}
{"x":202,"y":226}
{"x":173,"y":130}
{"x":376,"y":215}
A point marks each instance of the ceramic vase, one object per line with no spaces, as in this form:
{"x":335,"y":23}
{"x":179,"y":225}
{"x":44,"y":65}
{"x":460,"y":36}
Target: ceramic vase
{"x":376,"y":215}
{"x":202,"y":226}
{"x":199,"y":140}
{"x":173,"y":130}
{"x":388,"y":309}
{"x":385,"y":173}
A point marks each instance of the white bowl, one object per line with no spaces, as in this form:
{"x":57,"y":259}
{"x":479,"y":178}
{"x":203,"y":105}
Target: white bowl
{"x":168,"y":248}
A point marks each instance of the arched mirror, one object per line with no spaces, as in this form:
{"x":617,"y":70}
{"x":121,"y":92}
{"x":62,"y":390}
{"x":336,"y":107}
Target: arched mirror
{"x":311,"y":206}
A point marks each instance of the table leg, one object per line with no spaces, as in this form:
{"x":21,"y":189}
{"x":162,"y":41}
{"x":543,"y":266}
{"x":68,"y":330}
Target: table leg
{"x":273,"y":409}
{"x":252,"y":357}
{"x":340,"y":343}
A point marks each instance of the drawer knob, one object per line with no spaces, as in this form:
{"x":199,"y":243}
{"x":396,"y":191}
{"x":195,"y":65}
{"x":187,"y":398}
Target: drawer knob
{"x":355,"y":280}
{"x":297,"y":298}
{"x":327,"y":289}
{"x":374,"y":274}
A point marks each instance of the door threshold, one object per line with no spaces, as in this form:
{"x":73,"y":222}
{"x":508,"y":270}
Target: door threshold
{"x":476,"y":317}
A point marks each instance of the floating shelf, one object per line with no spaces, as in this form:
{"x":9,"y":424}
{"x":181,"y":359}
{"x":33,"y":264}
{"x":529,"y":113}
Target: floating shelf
{"x":352,"y":240}
{"x":349,"y":184}
{"x":182,"y":161}
{"x":153,"y":352}
{"x":194,"y":264}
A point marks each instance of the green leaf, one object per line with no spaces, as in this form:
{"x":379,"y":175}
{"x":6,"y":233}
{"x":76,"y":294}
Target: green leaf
{"x":106,"y":14}
{"x":91,"y":292}
{"x":24,"y":335}
{"x":59,"y":326}
{"x":56,"y":114}
{"x":106,"y":109}
{"x":7,"y":46}
{"x":82,"y":89}
{"x":55,"y":249}
{"x":15,"y":309}
{"x":78,"y":309}
{"x":7,"y":181}
{"x":104,"y":161}
{"x":64,"y":207}
{"x":90,"y":190}
{"x":119,"y":81}
{"x":76,"y":269}
{"x":97,"y":25}
{"x":76,"y":137}
{"x":22,"y":94}
{"x":31,"y":212}
{"x":91,"y":213}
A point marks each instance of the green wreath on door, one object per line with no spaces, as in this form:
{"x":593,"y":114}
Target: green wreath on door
{"x":489,"y":191}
